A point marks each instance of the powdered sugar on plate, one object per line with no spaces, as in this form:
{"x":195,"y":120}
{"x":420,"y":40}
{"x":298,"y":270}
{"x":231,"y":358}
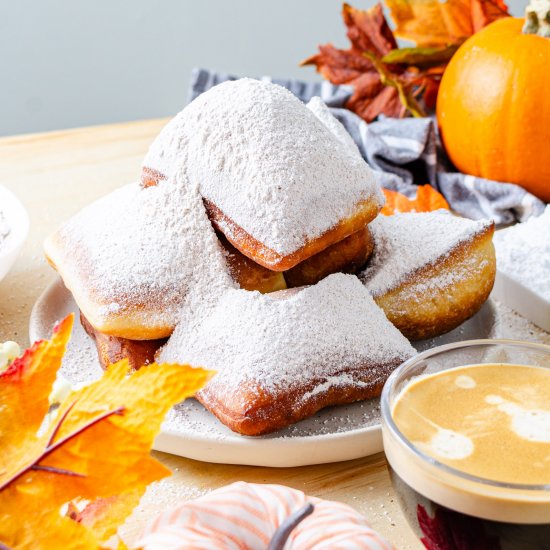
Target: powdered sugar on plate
{"x":266,"y":161}
{"x":141,"y":248}
{"x":405,"y":243}
{"x":523,"y":253}
{"x":332,"y":334}
{"x":192,"y":418}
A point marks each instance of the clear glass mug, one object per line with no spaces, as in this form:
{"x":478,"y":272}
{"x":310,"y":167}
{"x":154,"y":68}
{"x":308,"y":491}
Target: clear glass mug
{"x":445,"y":507}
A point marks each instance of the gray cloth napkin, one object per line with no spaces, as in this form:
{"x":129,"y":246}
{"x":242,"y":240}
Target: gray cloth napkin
{"x":405,"y":153}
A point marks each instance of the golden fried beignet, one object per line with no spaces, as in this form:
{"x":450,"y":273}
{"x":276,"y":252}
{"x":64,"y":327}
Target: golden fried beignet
{"x":269,"y":258}
{"x":248,"y":274}
{"x":430,"y":272}
{"x":283,"y":356}
{"x":111,"y":349}
{"x":347,"y":256}
{"x":278,"y":178}
{"x":133,"y":257}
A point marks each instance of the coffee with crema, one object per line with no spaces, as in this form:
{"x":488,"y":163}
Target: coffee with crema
{"x":491,"y":421}
{"x":467,"y":441}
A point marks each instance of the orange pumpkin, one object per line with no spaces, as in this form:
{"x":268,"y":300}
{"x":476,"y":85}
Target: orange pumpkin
{"x":493,"y":107}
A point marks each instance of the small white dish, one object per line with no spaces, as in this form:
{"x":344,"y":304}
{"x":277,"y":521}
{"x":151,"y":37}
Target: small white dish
{"x":333,"y":434}
{"x":18,"y":222}
{"x":522,"y":299}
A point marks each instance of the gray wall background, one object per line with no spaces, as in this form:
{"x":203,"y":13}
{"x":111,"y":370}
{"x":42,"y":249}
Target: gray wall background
{"x":69,"y":63}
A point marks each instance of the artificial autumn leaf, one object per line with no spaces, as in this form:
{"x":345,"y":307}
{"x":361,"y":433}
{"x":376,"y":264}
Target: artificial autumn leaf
{"x":390,"y":80}
{"x":104,"y":515}
{"x":423,"y":58}
{"x":25,"y":389}
{"x":449,"y":530}
{"x":440,"y":24}
{"x":368,"y":31}
{"x":387,"y":79}
{"x":95,"y":448}
{"x":427,"y":199}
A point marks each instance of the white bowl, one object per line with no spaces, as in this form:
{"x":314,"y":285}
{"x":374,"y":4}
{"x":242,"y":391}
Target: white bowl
{"x":18,"y":221}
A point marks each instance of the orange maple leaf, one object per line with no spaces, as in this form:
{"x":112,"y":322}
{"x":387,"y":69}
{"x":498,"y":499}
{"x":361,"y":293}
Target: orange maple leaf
{"x":427,"y":199}
{"x":96,"y":446}
{"x":435,"y":23}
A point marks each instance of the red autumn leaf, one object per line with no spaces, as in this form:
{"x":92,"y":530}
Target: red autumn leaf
{"x":392,"y":81}
{"x":368,"y":31}
{"x":486,"y":11}
{"x":449,"y":530}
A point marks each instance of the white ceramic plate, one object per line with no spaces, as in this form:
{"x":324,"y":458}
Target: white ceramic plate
{"x":18,"y":222}
{"x":522,"y":299}
{"x":334,"y":434}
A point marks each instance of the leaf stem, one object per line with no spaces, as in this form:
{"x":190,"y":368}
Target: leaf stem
{"x":61,"y":420}
{"x":407,"y":100}
{"x":537,"y":18}
{"x":51,"y":448}
{"x":54,"y":470}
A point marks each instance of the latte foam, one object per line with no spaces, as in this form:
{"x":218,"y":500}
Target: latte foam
{"x":491,"y":421}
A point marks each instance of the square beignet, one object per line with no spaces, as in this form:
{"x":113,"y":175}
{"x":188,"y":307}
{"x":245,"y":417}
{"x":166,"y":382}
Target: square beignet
{"x":430,"y":271}
{"x":278,"y":180}
{"x":132,"y":257}
{"x":283,"y":356}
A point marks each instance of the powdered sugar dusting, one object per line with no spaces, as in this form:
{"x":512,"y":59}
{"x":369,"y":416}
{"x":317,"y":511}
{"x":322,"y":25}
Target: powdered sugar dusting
{"x":318,"y":107}
{"x":332,"y":332}
{"x":461,"y":271}
{"x":523,"y":253}
{"x":262,"y":157}
{"x":405,"y":243}
{"x":141,"y":248}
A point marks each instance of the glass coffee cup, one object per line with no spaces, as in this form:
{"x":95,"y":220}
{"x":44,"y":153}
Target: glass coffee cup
{"x":447,"y":507}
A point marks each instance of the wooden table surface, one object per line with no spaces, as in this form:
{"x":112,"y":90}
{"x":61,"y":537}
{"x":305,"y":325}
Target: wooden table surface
{"x":56,"y":174}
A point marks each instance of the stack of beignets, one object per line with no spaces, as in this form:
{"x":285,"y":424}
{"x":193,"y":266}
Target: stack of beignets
{"x":249,"y":191}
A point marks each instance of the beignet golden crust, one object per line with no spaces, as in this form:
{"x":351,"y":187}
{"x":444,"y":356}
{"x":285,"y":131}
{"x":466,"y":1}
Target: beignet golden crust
{"x":430,"y":272}
{"x":248,"y":274}
{"x":347,"y":256}
{"x":256,"y":251}
{"x":281,"y":357}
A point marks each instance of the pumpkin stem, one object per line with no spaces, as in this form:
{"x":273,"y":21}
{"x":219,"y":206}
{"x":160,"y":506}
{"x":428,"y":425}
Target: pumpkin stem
{"x":287,"y":526}
{"x":537,"y":18}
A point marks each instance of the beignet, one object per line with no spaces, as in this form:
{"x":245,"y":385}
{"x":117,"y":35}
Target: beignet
{"x":347,"y":256}
{"x":430,"y":271}
{"x":111,"y":349}
{"x":133,"y":257}
{"x":248,"y":274}
{"x":281,"y":357}
{"x":277,"y":181}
